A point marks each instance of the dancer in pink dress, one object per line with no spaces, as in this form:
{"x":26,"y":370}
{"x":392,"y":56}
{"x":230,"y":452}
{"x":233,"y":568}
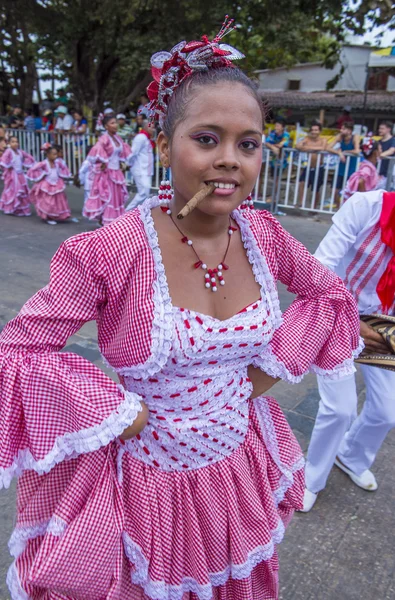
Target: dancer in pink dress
{"x":108,"y":193}
{"x":15,"y":199}
{"x":366,"y":178}
{"x":179,"y":482}
{"x":48,"y":192}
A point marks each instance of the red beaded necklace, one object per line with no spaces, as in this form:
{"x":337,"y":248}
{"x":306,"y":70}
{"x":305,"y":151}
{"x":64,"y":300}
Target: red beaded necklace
{"x":212,"y":277}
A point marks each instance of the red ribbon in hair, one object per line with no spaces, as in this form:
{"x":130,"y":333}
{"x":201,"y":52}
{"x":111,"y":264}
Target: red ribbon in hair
{"x":386,"y":286}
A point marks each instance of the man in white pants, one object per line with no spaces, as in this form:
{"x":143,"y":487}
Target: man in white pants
{"x":141,"y":163}
{"x":355,"y":249}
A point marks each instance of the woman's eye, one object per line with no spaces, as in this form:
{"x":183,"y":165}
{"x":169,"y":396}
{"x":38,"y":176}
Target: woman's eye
{"x":206,"y":140}
{"x":249,"y":145}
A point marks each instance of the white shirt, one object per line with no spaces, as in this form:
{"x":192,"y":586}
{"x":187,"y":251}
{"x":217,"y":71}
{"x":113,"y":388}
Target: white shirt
{"x":64,"y":123}
{"x":141,"y":160}
{"x":353,"y":249}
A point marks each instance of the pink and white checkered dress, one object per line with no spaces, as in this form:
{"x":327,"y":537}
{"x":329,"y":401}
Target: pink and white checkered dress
{"x":191,"y":509}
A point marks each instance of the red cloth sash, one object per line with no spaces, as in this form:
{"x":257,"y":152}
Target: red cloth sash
{"x":386,"y":286}
{"x":149,"y":137}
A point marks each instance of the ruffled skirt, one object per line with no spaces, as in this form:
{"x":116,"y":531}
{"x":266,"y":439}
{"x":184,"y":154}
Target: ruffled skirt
{"x":106,"y":201}
{"x":15,"y":198}
{"x":107,"y":526}
{"x":50,"y":201}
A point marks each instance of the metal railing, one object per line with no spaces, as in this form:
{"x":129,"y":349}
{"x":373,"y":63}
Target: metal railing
{"x":75,"y":149}
{"x":308,"y":181}
{"x":295,"y":179}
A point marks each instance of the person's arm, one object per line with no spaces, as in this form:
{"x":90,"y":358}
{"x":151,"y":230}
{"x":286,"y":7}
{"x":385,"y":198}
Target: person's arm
{"x":320,"y":330}
{"x":59,"y":404}
{"x":389,"y":152}
{"x":82,"y":128}
{"x":331,"y":146}
{"x":361,"y":185}
{"x":356,"y":149}
{"x":137,"y":146}
{"x":302,"y":146}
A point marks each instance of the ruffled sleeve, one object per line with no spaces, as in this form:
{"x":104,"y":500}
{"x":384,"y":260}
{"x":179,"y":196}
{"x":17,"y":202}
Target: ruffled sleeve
{"x":320,"y":330}
{"x":56,"y":405}
{"x":101,"y":151}
{"x":27,"y":159}
{"x":63,"y":169}
{"x":37,"y":171}
{"x":7,"y":159}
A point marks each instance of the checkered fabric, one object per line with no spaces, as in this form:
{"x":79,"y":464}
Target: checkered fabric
{"x":105,"y":523}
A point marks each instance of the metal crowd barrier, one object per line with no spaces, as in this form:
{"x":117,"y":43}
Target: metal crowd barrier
{"x":279,"y":184}
{"x":290,"y":181}
{"x":75,"y":149}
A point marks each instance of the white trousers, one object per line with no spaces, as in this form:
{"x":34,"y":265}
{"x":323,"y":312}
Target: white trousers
{"x":143,"y":184}
{"x":338,"y":431}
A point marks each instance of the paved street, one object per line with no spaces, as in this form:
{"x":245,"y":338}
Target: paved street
{"x":343,"y":549}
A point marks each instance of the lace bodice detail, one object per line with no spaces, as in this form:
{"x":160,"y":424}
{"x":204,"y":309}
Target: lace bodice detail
{"x":198,"y":402}
{"x":114,"y":160}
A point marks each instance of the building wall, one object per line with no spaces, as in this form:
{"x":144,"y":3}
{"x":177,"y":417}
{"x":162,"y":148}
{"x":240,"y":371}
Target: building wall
{"x":313,"y":78}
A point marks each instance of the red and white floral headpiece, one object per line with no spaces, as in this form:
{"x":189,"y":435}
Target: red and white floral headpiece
{"x":169,"y":69}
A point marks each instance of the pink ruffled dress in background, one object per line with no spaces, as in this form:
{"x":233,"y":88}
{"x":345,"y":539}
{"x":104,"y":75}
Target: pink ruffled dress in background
{"x":108,"y":193}
{"x":368,"y":172}
{"x":193,"y":507}
{"x":15,"y":199}
{"x":48,"y":192}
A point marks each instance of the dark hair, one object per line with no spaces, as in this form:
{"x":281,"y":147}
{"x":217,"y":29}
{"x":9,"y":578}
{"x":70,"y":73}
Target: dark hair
{"x":388,"y":124}
{"x":14,"y":137}
{"x":108,"y":119}
{"x":280,"y":121}
{"x":179,"y":101}
{"x":348,"y":125}
{"x":316,"y":123}
{"x":56,"y":147}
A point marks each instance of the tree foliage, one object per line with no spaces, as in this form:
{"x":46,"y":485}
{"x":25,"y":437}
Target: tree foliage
{"x":102,"y":47}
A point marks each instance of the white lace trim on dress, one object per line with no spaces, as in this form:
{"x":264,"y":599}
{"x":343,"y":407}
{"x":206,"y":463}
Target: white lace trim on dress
{"x":270,"y":364}
{"x":162,"y":324}
{"x":160,"y":590}
{"x":259,"y":266}
{"x":21,"y":535}
{"x":14,"y":585}
{"x":72,"y":444}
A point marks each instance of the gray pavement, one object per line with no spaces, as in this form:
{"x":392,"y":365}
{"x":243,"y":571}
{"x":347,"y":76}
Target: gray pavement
{"x":344,"y":548}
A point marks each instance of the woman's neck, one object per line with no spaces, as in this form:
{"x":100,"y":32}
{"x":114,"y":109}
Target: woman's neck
{"x":199,"y":224}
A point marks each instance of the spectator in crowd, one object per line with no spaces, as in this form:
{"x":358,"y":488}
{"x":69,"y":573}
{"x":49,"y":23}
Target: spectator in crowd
{"x":345,"y":117}
{"x":125,"y":131}
{"x":62,"y":97}
{"x":47,"y":121}
{"x":138,"y":124}
{"x":366,"y":178}
{"x":80,"y":124}
{"x":2,"y":133}
{"x":64,"y":121}
{"x":47,"y":103}
{"x":38,"y":123}
{"x":16,"y":119}
{"x":142,"y":109}
{"x":345,"y":141}
{"x":387,"y":146}
{"x":277,"y":140}
{"x":312,"y":143}
{"x":141,"y":163}
{"x":29,"y":122}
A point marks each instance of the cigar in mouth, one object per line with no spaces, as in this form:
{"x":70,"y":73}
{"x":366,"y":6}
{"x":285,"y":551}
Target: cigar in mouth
{"x":196,"y":200}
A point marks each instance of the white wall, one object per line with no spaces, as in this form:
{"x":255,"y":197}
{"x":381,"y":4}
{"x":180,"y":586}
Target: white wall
{"x":314,"y":78}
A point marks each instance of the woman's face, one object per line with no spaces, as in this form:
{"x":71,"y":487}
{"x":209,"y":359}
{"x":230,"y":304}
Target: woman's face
{"x":112,"y":126}
{"x":218,"y":141}
{"x":14,"y":144}
{"x":77,"y":116}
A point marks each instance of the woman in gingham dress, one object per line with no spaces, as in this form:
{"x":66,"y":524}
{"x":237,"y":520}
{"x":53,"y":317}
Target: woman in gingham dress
{"x":178,"y":483}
